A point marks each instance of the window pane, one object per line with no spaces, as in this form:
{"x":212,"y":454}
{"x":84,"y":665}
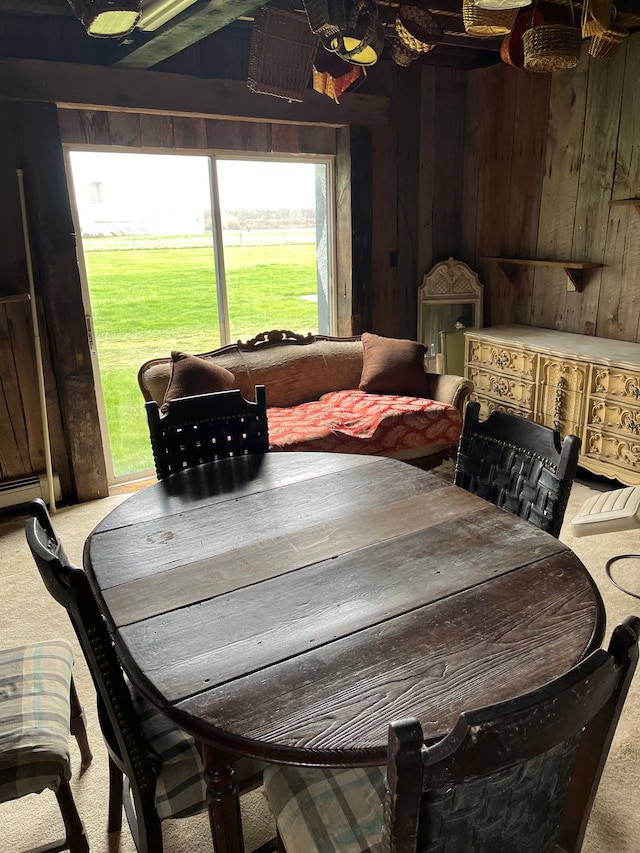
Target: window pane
{"x":274,"y":233}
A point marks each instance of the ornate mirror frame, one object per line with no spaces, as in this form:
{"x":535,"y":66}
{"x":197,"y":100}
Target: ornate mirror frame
{"x":449,"y":301}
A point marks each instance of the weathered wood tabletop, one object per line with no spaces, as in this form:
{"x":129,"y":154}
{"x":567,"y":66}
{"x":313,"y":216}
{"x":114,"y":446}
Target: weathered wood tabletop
{"x":289,"y":606}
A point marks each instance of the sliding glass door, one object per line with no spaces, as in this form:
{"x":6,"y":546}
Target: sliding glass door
{"x":188,"y":253}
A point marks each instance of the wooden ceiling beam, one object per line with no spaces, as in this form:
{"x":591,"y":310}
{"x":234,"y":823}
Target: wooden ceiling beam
{"x":202,"y":19}
{"x":68,"y":84}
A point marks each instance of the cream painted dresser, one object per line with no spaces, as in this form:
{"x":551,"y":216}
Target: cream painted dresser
{"x":574,"y":383}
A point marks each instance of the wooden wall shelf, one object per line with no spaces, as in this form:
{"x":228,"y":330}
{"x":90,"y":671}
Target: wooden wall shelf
{"x":573,"y":269}
{"x":619,"y":201}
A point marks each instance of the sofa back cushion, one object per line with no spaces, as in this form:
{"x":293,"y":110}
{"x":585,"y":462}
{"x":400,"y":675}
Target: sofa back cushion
{"x":292,"y":373}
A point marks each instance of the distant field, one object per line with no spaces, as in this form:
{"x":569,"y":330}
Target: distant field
{"x":149,"y":300}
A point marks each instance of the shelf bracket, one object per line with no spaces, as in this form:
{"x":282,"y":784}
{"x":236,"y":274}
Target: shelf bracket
{"x":574,"y":280}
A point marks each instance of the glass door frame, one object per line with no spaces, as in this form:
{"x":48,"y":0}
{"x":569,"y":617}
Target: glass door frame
{"x":218,"y":247}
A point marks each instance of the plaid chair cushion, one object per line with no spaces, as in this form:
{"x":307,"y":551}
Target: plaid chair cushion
{"x":35,"y":682}
{"x":180,"y":786}
{"x":318,"y":810}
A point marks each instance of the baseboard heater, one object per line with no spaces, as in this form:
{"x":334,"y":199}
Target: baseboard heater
{"x":25,"y":489}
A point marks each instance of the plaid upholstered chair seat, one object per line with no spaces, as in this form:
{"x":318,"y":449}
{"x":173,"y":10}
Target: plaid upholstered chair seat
{"x":35,"y":716}
{"x":516,"y":777}
{"x":180,"y":788}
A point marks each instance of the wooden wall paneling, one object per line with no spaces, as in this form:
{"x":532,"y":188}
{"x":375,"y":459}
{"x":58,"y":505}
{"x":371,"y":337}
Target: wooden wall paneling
{"x":597,"y":169}
{"x":72,"y":128}
{"x":497,"y":107}
{"x":96,"y":127}
{"x":449,"y":118}
{"x":356,"y":250}
{"x":627,"y":176}
{"x":469,"y":213}
{"x":426,"y":173}
{"x":225,"y":135}
{"x":58,"y":283}
{"x":124,"y":129}
{"x":563,"y":154}
{"x":13,"y":277}
{"x":345,"y":325}
{"x":527,"y":169}
{"x":384,"y":196}
{"x":18,"y":375}
{"x":317,"y":140}
{"x":156,"y":130}
{"x":257,"y":136}
{"x":189,"y":133}
{"x":407,"y":283}
{"x":221,"y":135}
{"x":619,"y":306}
{"x":284,"y":138}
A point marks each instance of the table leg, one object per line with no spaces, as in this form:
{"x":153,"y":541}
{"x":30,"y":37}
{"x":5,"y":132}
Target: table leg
{"x":224,"y":801}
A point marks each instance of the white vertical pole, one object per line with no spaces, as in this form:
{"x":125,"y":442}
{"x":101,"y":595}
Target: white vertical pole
{"x":37,"y":345}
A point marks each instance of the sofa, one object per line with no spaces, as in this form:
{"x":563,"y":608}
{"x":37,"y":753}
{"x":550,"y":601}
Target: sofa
{"x":365,"y":394}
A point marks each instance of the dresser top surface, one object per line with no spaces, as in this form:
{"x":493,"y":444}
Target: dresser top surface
{"x":603,"y":350}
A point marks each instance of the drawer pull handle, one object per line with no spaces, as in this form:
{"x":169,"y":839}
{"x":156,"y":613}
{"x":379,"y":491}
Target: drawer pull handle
{"x":500,"y":360}
{"x":629,"y":423}
{"x":499,"y":387}
{"x":634,"y":390}
{"x":557,"y":409}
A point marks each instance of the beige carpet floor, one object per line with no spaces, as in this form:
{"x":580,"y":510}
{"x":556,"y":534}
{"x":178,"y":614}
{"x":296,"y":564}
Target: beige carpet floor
{"x":27,"y":613}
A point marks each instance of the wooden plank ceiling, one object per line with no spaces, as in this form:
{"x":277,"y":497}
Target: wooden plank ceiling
{"x":195,"y":22}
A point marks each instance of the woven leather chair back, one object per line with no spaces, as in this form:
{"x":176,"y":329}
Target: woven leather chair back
{"x":518,"y":465}
{"x":206,"y":428}
{"x":518,"y":776}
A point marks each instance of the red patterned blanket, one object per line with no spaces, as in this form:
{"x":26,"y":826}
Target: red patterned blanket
{"x":357,"y":422}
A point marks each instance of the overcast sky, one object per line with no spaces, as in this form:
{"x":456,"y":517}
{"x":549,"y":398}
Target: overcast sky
{"x":183,"y":181}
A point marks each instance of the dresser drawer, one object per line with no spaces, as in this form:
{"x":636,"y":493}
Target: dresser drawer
{"x":620,"y":455}
{"x":487,"y":406}
{"x":557,"y":405}
{"x":502,"y":388}
{"x":614,"y":383}
{"x":506,"y":359}
{"x":568,"y":375}
{"x":604,"y":414}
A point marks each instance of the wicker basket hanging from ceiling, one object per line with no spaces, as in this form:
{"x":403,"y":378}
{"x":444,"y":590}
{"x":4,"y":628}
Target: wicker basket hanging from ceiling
{"x":487,"y":22}
{"x":551,"y":47}
{"x":281,"y":54}
{"x":603,"y":45}
{"x":596,"y":15}
{"x":501,"y":4}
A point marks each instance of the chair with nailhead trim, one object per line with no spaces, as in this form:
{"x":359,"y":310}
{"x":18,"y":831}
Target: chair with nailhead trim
{"x":517,"y":464}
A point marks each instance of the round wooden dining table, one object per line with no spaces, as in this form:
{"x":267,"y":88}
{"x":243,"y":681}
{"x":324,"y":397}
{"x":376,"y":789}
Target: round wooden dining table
{"x":288,"y":606}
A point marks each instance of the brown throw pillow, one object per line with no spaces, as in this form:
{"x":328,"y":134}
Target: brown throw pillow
{"x":393,"y":366}
{"x":191,"y":375}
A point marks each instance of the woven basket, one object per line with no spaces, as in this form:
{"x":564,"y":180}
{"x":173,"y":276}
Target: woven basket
{"x":596,"y":15}
{"x":604,"y":45}
{"x":281,"y":54}
{"x":551,"y":47}
{"x":417,"y":29}
{"x":487,"y":22}
{"x":401,"y":54}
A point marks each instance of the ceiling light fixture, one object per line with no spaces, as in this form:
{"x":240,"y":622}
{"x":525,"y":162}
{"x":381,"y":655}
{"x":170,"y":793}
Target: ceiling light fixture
{"x":107,"y":18}
{"x":156,"y":13}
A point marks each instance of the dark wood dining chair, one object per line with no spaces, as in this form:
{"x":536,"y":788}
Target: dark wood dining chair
{"x":517,"y":776}
{"x":39,"y":706}
{"x":517,"y":464}
{"x":205,"y":428}
{"x":155,"y":768}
